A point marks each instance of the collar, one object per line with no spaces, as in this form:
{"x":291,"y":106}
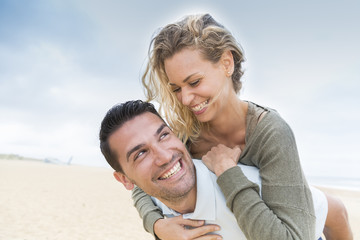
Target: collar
{"x":205,"y":208}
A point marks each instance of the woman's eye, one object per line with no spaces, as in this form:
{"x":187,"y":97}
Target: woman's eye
{"x":175,"y":90}
{"x":195,"y":83}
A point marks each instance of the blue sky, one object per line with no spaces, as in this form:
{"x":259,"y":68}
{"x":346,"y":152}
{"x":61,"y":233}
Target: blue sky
{"x":63,"y":64}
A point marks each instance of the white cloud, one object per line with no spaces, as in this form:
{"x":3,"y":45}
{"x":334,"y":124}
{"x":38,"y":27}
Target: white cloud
{"x":64,"y":64}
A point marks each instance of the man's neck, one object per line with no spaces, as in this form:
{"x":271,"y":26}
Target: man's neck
{"x":184,"y":205}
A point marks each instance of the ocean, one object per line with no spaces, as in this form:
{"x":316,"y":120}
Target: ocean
{"x":330,"y":172}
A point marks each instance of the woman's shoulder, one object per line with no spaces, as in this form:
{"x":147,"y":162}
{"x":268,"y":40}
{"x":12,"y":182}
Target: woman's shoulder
{"x":266,"y":119}
{"x":258,"y":111}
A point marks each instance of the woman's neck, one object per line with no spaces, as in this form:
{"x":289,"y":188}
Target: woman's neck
{"x":231,"y":120}
{"x":228,"y":129}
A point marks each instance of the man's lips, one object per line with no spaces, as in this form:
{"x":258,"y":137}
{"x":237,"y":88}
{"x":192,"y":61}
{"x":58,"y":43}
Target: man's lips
{"x":175,"y":169}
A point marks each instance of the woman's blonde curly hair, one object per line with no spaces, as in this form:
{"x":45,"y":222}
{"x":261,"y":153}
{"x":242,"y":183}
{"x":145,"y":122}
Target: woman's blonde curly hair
{"x":200,"y":32}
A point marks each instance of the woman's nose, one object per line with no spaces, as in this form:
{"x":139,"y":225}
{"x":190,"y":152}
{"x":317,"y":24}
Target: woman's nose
{"x":186,"y":96}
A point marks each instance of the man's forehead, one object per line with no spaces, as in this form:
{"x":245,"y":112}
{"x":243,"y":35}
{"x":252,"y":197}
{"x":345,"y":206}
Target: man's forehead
{"x":144,"y":122}
{"x":138,"y":130}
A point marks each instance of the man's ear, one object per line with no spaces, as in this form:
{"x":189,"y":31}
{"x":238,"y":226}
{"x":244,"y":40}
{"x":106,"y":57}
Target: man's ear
{"x":124,"y":180}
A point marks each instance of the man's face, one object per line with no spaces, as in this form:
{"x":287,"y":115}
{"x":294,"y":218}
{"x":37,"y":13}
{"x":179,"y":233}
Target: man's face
{"x":153,"y":158}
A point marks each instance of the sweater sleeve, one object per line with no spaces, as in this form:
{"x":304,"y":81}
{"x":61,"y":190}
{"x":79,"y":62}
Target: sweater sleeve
{"x":285,"y":209}
{"x":148,"y":211}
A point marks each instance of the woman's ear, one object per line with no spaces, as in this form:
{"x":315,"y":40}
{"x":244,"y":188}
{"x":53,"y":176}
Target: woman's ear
{"x":227,"y":60}
{"x":128,"y":184}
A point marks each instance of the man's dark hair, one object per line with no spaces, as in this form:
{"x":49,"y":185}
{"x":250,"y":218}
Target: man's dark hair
{"x":114,"y":119}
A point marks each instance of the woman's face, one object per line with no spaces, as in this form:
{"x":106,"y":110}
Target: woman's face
{"x":199,"y":84}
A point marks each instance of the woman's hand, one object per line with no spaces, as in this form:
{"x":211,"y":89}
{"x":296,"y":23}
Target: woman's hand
{"x":221,"y":158}
{"x":177,"y":228}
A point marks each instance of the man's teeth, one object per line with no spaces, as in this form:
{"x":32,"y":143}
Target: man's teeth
{"x":200,"y":106}
{"x":171,"y":172}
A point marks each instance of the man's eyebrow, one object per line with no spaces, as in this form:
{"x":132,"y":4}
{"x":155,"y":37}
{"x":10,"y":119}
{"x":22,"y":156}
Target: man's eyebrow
{"x":137,"y":147}
{"x":160,"y":129}
{"x":185,"y":80}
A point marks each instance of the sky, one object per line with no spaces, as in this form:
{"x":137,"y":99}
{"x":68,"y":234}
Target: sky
{"x":64,"y":63}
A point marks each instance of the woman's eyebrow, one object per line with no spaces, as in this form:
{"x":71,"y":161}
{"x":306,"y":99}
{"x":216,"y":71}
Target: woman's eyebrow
{"x":185,"y":80}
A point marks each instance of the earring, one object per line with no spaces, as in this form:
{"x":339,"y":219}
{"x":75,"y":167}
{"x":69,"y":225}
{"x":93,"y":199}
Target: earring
{"x":229,"y":72}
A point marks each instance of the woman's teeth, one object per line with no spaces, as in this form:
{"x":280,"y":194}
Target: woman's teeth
{"x":171,"y":172}
{"x":200,"y":106}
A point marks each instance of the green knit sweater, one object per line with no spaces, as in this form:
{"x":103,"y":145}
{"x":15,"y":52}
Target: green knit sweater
{"x":285,"y":210}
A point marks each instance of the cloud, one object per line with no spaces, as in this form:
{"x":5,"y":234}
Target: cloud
{"x":63,"y":64}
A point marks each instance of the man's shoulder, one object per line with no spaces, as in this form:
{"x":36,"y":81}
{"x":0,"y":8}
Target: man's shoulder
{"x":251,"y":172}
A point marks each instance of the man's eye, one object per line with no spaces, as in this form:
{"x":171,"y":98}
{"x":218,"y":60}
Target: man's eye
{"x":163,"y":135}
{"x":139,"y":154}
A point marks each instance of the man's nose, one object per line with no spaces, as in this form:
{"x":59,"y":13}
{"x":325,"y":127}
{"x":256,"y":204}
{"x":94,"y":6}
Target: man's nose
{"x":162,"y":155}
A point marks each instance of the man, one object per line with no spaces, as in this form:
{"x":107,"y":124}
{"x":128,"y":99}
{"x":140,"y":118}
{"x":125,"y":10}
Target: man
{"x":142,"y":149}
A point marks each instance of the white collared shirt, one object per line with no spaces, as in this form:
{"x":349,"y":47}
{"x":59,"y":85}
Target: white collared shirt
{"x":211,"y":203}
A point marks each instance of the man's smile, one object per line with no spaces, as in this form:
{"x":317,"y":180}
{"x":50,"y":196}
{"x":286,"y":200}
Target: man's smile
{"x":175,"y":169}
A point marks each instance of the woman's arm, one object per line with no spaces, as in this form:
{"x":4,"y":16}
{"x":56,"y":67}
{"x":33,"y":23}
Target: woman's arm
{"x":169,"y":228}
{"x":285,"y":210}
{"x":148,"y":211}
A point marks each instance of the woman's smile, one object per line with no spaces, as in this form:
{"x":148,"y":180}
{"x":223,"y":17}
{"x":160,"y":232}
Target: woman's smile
{"x":200,"y":108}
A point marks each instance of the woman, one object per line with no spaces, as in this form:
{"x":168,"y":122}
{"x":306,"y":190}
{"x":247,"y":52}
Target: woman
{"x":194,"y":73}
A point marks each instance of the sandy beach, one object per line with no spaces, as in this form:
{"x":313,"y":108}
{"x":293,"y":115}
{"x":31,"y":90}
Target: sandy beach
{"x":47,"y":201}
